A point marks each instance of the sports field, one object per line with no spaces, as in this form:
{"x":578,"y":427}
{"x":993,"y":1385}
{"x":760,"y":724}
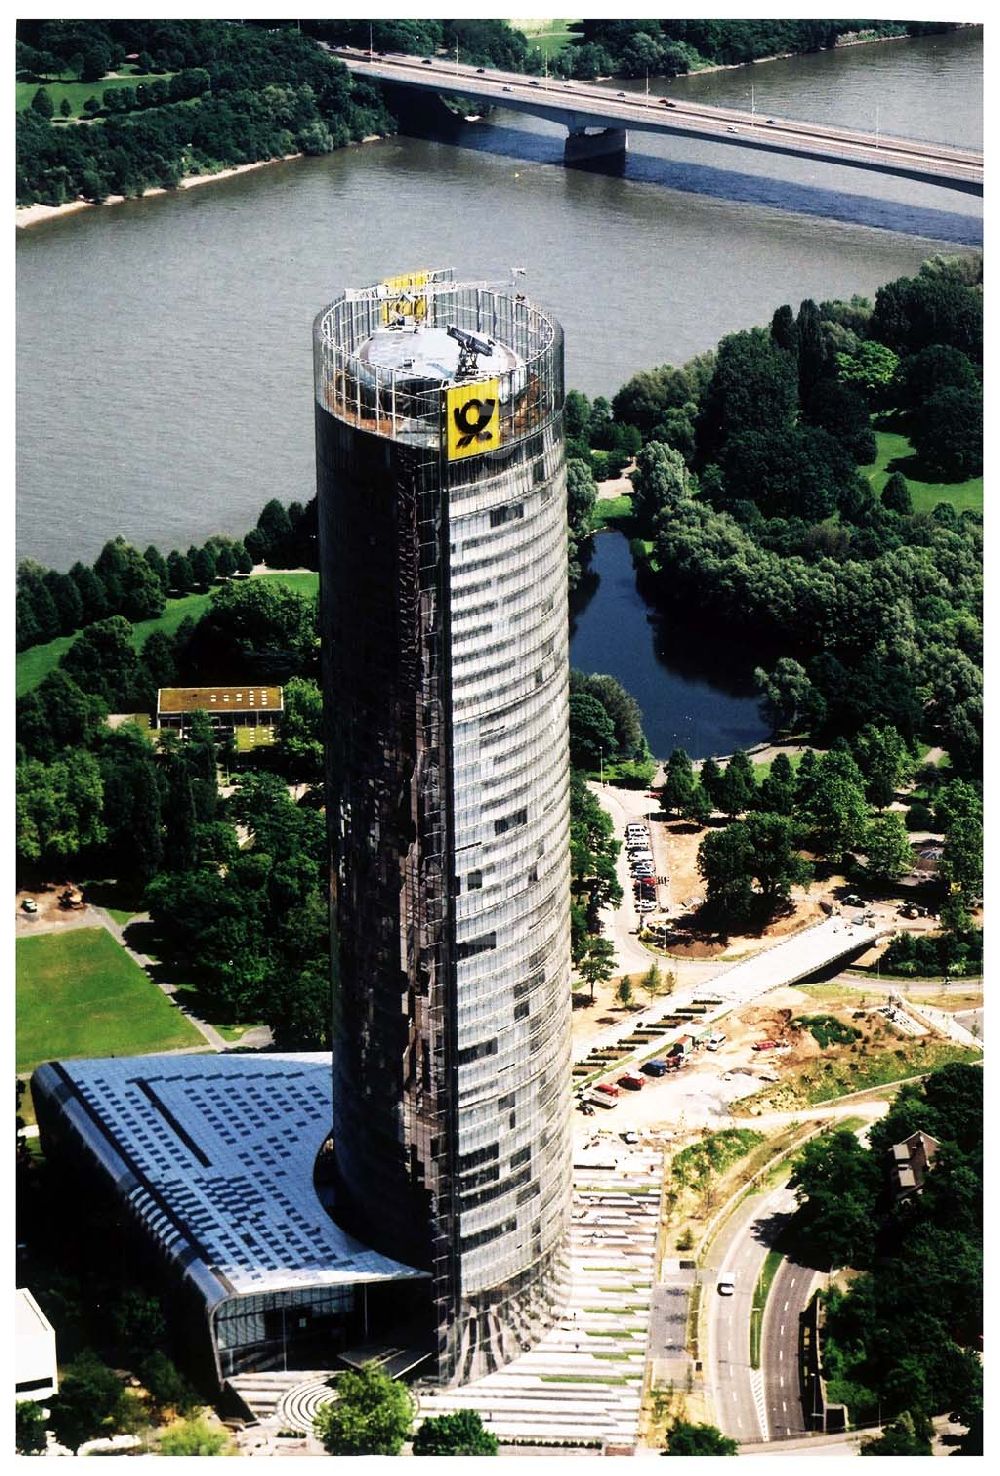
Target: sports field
{"x":80,"y":994}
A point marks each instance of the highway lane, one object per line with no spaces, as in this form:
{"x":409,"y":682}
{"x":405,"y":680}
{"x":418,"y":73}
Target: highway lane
{"x":597,"y":106}
{"x":737,"y":1390}
{"x":789,"y":1296}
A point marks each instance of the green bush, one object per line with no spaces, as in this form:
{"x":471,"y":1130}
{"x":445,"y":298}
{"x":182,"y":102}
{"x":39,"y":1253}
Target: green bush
{"x":827,"y":1030}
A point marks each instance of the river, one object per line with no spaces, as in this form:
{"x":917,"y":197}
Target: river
{"x":163,"y":345}
{"x":164,"y":374}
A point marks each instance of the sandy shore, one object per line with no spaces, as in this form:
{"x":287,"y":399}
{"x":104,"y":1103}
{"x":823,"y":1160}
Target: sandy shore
{"x":29,"y":215}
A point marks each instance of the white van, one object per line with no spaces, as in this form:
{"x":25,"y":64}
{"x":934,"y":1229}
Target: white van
{"x":715,"y":1040}
{"x":726,"y":1284}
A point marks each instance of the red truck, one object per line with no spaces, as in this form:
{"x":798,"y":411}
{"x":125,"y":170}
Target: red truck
{"x":632,"y":1083}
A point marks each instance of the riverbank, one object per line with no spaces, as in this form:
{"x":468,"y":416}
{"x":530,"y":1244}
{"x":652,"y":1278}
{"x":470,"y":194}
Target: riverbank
{"x":29,"y":215}
{"x":849,"y":39}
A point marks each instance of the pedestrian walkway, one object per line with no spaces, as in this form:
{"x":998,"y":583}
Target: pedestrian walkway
{"x":582,"y":1383}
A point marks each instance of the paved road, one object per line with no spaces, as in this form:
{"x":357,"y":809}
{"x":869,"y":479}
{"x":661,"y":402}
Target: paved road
{"x":737,"y":1390}
{"x":790,"y":1292}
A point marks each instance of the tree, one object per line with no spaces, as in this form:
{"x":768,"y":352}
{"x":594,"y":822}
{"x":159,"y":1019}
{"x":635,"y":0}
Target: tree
{"x":686,"y":1439}
{"x":834,"y":805}
{"x":57,"y":715}
{"x":193,"y":1438}
{"x":884,"y":761}
{"x":138,"y":1321}
{"x":372,"y":1415}
{"x":458,"y":1434}
{"x":660,"y":481}
{"x":869,"y":367}
{"x":888,"y":852}
{"x":66,"y":598}
{"x":815,"y":356}
{"x":133,"y":588}
{"x":912,"y":313}
{"x":92,"y":593}
{"x":738,"y":785}
{"x":158,"y":564}
{"x":598,"y":963}
{"x":753,"y":388}
{"x":679,"y":783}
{"x":622,"y":709}
{"x":576,"y":416}
{"x":58,"y":810}
{"x":776,"y":795}
{"x":948,"y":435}
{"x":896,"y":495}
{"x":203,"y":566}
{"x":167,"y":1387}
{"x":710,"y":776}
{"x":29,"y":1428}
{"x":591,"y":731}
{"x":65,"y":108}
{"x":789,"y":700}
{"x":623,"y":993}
{"x":653,"y":982}
{"x":901,"y":1438}
{"x":132,"y":811}
{"x":102,"y":661}
{"x":274,"y":528}
{"x":179,"y":573}
{"x":42,"y":104}
{"x":581,"y":494}
{"x":300,"y":735}
{"x":775,"y":864}
{"x":724,"y":864}
{"x":934,"y":368}
{"x":258,"y":629}
{"x":86,"y":1403}
{"x":837,"y":1183}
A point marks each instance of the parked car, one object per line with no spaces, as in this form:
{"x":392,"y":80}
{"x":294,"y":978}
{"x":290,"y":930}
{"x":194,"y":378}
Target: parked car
{"x":656,"y":1068}
{"x":608,"y":1089}
{"x":764,"y":1045}
{"x":715,"y":1041}
{"x":726,"y":1283}
{"x":629,"y":1137}
{"x":29,"y":905}
{"x":631,"y":1082}
{"x":645,"y":904}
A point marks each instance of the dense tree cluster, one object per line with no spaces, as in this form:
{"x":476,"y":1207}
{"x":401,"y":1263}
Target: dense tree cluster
{"x":903,"y":1340}
{"x":748,"y":492}
{"x":237,"y":94}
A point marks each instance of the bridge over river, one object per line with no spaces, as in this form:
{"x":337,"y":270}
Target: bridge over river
{"x":598,"y":122}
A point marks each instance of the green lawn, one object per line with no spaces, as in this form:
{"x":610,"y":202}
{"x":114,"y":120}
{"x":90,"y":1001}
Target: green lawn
{"x":34,"y":665}
{"x":611,"y":510}
{"x":80,"y":994}
{"x":896,"y":454}
{"x":78,"y":92}
{"x":549,"y":35}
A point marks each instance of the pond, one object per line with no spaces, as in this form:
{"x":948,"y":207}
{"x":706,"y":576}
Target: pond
{"x":696,"y":692}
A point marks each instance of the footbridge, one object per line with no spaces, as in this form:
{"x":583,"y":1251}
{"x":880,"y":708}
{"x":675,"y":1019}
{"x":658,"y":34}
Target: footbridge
{"x":598,"y":122}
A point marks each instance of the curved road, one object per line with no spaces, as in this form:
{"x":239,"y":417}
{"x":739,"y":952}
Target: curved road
{"x":737,"y":1390}
{"x":790,"y":1292}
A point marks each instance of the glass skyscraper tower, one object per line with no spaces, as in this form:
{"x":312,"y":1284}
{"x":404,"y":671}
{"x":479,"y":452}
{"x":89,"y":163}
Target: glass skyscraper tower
{"x":442,"y":531}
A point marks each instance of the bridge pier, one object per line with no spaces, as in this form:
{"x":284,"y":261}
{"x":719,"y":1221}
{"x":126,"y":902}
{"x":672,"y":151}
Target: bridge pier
{"x":606,"y":143}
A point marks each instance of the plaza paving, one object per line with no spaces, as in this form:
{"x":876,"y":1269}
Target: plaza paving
{"x":583,"y":1382}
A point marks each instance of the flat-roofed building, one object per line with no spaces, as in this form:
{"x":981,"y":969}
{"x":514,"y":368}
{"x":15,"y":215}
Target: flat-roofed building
{"x":229,"y":709}
{"x":35,"y":1372}
{"x":217,"y":1162}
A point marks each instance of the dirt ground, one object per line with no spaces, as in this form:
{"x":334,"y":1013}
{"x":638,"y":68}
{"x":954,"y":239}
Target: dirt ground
{"x":49,"y":910}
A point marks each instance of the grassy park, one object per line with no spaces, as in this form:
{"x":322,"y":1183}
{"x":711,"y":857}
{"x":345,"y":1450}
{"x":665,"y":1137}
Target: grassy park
{"x":33,"y":666}
{"x":77,"y":92}
{"x":896,"y":454}
{"x":80,"y":994}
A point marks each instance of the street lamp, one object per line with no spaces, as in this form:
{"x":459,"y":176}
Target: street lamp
{"x":601,"y":752}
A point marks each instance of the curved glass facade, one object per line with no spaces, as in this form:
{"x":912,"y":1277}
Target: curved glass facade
{"x":442,"y":518}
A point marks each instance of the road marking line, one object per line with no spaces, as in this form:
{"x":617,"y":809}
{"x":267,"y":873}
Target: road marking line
{"x":785,"y":1307}
{"x":781,"y":1354}
{"x":782,"y":1331}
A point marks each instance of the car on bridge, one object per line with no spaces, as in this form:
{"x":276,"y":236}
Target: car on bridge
{"x":667,"y":104}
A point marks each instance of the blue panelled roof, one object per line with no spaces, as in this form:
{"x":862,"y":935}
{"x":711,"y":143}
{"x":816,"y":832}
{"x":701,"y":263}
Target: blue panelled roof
{"x":215,"y":1154}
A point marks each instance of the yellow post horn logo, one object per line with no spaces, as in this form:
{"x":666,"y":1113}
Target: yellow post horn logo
{"x":473,"y":418}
